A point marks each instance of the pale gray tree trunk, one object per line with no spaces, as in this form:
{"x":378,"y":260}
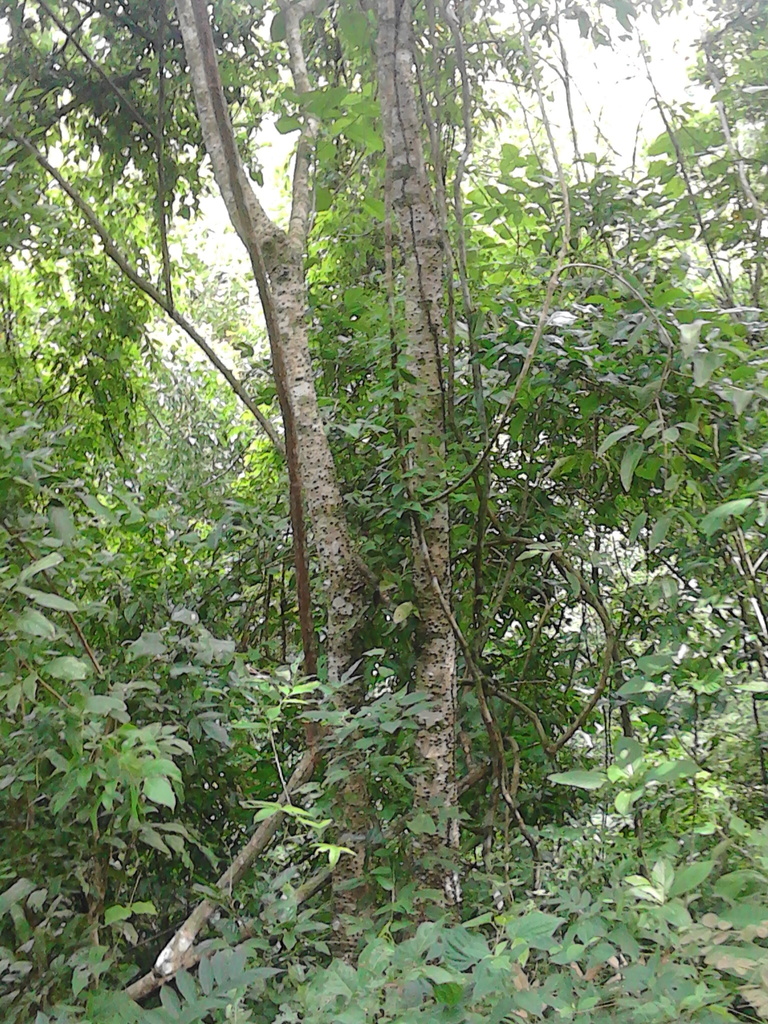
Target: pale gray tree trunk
{"x":277,"y":258}
{"x":420,"y":243}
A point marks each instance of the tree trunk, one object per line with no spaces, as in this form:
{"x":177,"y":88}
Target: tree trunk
{"x":277,"y":259}
{"x":422,"y":255}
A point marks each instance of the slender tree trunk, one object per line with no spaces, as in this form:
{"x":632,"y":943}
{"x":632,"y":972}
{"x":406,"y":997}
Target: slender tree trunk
{"x":422,"y":255}
{"x":277,"y":258}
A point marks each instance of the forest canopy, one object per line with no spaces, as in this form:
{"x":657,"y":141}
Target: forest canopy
{"x":383,"y":505}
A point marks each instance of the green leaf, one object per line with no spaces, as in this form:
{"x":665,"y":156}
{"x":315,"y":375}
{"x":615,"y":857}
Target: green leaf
{"x":615,"y":436}
{"x":422,"y":824}
{"x":144,"y":907}
{"x":117,"y":913}
{"x":448,"y":993}
{"x":659,"y":531}
{"x":48,"y":562}
{"x":160,"y":791}
{"x":15,"y":893}
{"x":626,"y":800}
{"x":34,"y":623}
{"x":46,"y":600}
{"x":689,"y":336}
{"x":62,"y":523}
{"x":277,"y":28}
{"x":629,"y":462}
{"x":638,"y":524}
{"x":670,"y":771}
{"x":148,"y":645}
{"x":286,"y":123}
{"x":704,"y":365}
{"x":103,"y":704}
{"x":68,"y":668}
{"x":691,"y":877}
{"x":579,"y":779}
{"x":714,"y":520}
{"x":534,"y":928}
{"x":401,"y":613}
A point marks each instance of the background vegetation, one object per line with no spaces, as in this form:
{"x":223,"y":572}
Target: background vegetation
{"x":604,"y":390}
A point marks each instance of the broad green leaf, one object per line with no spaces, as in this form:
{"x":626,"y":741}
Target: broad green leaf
{"x":689,"y":337}
{"x":629,"y":463}
{"x":277,"y":28}
{"x":615,"y":436}
{"x":401,"y":613}
{"x":690,"y":877}
{"x":422,"y":824}
{"x":41,"y":565}
{"x":144,"y":907}
{"x":670,"y":771}
{"x":103,"y":704}
{"x":534,"y":928}
{"x":579,"y":779}
{"x":663,"y":874}
{"x":160,"y":791}
{"x":148,"y":645}
{"x":448,"y":993}
{"x":626,"y":800}
{"x":34,"y":623}
{"x":117,"y":913}
{"x":715,"y":519}
{"x":704,"y":365}
{"x":46,"y":600}
{"x":68,"y":668}
{"x":15,"y":893}
{"x":659,"y":531}
{"x":638,"y":524}
{"x":63,"y":523}
{"x":98,"y":509}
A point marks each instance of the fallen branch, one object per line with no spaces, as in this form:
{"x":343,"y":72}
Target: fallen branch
{"x":172,"y":957}
{"x":151,"y":982}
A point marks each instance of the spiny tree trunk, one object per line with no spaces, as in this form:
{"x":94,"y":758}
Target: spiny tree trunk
{"x":421,"y":250}
{"x":277,"y":258}
{"x":278,"y":265}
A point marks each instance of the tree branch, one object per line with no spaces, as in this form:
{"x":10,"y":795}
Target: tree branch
{"x":149,"y":289}
{"x":172,"y":958}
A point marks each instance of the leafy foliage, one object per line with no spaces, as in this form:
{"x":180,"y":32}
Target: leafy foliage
{"x":608,"y":513}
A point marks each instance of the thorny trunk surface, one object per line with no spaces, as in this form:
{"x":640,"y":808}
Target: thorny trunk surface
{"x":277,"y":259}
{"x":422,"y":255}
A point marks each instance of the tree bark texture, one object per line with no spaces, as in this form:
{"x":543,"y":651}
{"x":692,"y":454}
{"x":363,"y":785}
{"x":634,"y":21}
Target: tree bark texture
{"x":278,"y":263}
{"x":420,"y":243}
{"x":277,"y":259}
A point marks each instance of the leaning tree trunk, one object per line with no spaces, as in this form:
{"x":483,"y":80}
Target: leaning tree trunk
{"x":277,"y":258}
{"x":421,"y":250}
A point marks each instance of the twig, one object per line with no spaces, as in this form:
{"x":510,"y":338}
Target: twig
{"x":140,"y":119}
{"x":551,"y":286}
{"x":149,"y":289}
{"x":171,"y":958}
{"x":151,"y":982}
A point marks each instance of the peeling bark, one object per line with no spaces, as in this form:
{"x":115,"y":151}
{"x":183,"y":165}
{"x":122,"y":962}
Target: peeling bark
{"x":421,"y":248}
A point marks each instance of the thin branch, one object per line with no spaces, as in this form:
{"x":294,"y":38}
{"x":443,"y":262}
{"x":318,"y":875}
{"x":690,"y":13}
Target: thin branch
{"x":150,"y":982}
{"x":162,"y":219}
{"x":112,"y":85}
{"x":672,"y":136}
{"x":149,"y":289}
{"x":171,"y":958}
{"x":551,"y":286}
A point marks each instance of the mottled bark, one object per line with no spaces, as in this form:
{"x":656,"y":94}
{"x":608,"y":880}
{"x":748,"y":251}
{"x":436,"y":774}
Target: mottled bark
{"x":278,"y":266}
{"x":277,"y":259}
{"x":422,"y":255}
